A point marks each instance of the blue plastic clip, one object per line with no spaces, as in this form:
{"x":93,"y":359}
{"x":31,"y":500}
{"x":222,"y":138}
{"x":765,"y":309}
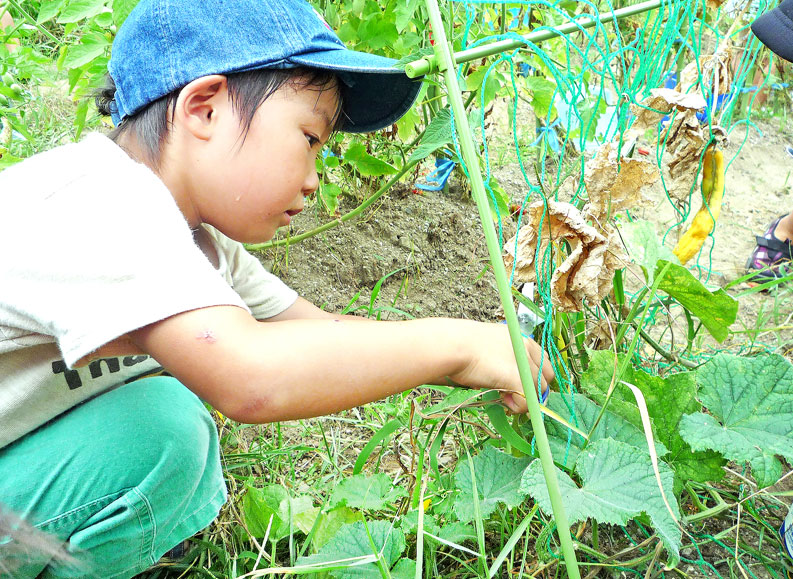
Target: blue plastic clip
{"x":549,"y":134}
{"x":436,"y":180}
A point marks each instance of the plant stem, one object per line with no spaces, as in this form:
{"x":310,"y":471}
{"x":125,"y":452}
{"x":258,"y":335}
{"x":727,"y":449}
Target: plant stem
{"x":627,"y":360}
{"x":671,"y":356}
{"x":331,"y":224}
{"x":32,"y":21}
{"x":443,"y":54}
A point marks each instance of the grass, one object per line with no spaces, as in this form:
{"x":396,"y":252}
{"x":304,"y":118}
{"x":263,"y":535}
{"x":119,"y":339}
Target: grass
{"x":315,"y":456}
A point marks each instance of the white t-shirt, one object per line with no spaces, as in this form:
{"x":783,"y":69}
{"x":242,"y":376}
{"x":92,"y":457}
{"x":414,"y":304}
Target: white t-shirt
{"x":93,"y":246}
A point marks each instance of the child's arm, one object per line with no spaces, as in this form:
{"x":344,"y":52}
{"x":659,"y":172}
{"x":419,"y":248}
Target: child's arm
{"x":270,"y":371}
{"x":303,"y":309}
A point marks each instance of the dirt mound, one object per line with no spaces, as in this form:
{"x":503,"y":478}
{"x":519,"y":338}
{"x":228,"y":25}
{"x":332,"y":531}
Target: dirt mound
{"x":433,"y":241}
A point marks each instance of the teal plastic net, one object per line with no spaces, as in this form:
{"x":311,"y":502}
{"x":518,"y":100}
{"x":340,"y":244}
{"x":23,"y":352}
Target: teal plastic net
{"x":693,"y":68}
{"x":570,"y":96}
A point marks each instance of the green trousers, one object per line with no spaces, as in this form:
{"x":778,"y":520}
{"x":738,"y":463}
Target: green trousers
{"x":121,"y":479}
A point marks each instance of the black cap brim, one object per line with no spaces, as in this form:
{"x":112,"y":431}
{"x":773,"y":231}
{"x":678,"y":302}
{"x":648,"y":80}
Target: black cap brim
{"x":374,"y":93}
{"x":775,"y":29}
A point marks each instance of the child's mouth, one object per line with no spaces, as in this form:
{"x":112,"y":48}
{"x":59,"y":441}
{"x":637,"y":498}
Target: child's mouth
{"x":289,"y":214}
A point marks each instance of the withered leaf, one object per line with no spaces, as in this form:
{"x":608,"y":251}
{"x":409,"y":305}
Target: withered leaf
{"x":664,"y":100}
{"x":614,"y":187}
{"x":585,"y":274}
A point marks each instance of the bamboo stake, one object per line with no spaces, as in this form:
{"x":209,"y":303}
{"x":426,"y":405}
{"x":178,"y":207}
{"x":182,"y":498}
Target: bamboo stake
{"x":445,"y":59}
{"x":430,"y":64}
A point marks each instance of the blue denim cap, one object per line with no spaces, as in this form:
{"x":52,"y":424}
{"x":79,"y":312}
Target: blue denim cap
{"x":165,"y":44}
{"x":775,"y":29}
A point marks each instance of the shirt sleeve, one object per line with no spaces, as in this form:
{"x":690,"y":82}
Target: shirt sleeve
{"x":104,"y":253}
{"x":264,"y":293}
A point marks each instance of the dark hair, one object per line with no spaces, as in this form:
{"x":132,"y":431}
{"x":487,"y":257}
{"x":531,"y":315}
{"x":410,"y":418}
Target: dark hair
{"x":247,"y":91}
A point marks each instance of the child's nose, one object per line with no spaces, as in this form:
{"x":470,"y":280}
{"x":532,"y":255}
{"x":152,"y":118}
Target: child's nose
{"x":311,"y":183}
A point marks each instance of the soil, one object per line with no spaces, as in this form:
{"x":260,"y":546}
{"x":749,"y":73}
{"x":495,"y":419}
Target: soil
{"x":433,"y":242}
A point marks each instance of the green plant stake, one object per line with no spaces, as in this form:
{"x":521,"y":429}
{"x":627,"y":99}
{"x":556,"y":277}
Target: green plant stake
{"x":443,"y":54}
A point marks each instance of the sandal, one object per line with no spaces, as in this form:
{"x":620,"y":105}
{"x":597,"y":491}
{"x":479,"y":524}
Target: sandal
{"x":771,"y":257}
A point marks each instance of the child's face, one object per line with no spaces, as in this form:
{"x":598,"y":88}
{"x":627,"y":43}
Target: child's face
{"x":254,"y":187}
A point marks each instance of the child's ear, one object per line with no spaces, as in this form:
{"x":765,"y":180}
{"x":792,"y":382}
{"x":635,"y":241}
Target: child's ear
{"x":199,"y":103}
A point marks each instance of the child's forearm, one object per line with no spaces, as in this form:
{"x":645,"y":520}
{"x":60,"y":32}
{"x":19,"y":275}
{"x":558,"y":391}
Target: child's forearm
{"x":269,"y":371}
{"x":337,"y":365}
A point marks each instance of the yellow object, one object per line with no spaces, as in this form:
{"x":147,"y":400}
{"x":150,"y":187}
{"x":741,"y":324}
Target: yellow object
{"x":712,"y":194}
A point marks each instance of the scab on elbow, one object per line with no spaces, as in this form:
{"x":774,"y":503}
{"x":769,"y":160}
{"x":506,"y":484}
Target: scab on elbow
{"x":253,"y":409}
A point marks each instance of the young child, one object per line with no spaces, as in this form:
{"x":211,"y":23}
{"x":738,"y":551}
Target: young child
{"x":122,"y":257}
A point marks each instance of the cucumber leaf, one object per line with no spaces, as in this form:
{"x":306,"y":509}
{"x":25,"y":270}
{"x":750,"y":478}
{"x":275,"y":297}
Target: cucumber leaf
{"x":750,"y":405}
{"x":618,"y":484}
{"x":716,"y":310}
{"x":497,"y":481}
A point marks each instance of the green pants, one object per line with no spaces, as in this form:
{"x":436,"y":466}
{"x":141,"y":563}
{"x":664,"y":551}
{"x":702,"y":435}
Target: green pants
{"x":122,"y":479}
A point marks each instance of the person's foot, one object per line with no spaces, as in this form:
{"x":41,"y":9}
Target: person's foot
{"x":771,"y":257}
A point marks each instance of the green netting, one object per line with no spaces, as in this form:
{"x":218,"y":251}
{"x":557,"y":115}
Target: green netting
{"x":579,"y":89}
{"x":596,"y":75}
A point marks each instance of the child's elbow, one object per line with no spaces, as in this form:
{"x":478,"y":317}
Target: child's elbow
{"x":251,"y":408}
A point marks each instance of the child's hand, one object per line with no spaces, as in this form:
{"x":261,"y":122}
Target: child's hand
{"x":492,"y":365}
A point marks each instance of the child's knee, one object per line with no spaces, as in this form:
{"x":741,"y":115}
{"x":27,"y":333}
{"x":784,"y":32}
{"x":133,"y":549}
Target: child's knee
{"x":168,"y":423}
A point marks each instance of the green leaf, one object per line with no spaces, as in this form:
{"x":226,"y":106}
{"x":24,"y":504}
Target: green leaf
{"x":618,"y":485}
{"x":377,"y":32}
{"x":438,"y":134}
{"x":49,"y":9}
{"x":260,"y":509}
{"x":492,"y":83}
{"x":750,"y":401}
{"x":7,"y":159}
{"x":668,"y":399}
{"x":330,"y":523}
{"x":644,"y":246}
{"x":77,"y":10}
{"x":716,"y":310}
{"x":121,"y":9}
{"x":366,"y":164}
{"x":503,"y":426}
{"x":271,"y":506}
{"x":81,"y":54}
{"x":104,"y":20}
{"x":542,"y":91}
{"x":358,"y":6}
{"x":367,"y":492}
{"x":410,"y":523}
{"x":582,"y":412}
{"x":404,"y":569}
{"x":404,"y":11}
{"x":497,"y":481}
{"x":457,"y":533}
{"x":407,"y":124}
{"x":80,"y":115}
{"x":357,"y":540}
{"x":329,"y":195}
{"x":498,"y":199}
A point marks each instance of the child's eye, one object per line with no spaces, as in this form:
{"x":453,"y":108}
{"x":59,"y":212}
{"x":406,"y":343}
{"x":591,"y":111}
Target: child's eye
{"x":312,"y":140}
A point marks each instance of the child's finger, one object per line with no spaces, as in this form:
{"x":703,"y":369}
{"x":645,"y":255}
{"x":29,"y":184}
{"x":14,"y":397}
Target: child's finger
{"x":516,"y":404}
{"x":537,"y":355}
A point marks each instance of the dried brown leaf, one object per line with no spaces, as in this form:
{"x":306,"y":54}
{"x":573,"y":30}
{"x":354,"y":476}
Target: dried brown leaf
{"x":713,"y":72}
{"x":612,"y":187}
{"x":585,"y":274}
{"x":664,"y":100}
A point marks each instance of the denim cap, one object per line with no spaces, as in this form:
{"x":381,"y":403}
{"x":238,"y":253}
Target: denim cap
{"x":775,"y":29}
{"x":165,"y":44}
